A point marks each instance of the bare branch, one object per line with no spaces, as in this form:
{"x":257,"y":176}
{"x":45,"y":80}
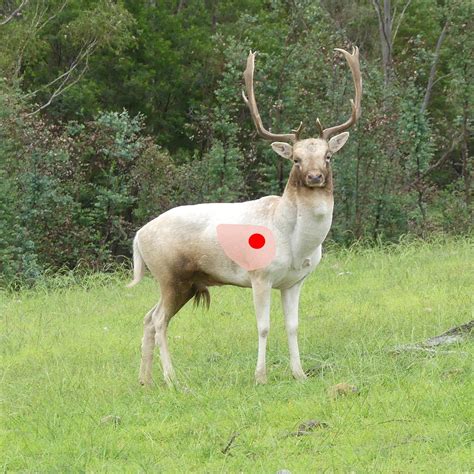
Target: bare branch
{"x":400,"y":19}
{"x":432,"y":75}
{"x":13,"y":14}
{"x":66,"y":81}
{"x":453,"y":336}
{"x":38,"y":22}
{"x":444,"y":157}
{"x":45,"y":86}
{"x":225,"y":450}
{"x":36,"y":18}
{"x":80,"y":56}
{"x":440,"y":78}
{"x":39,"y":14}
{"x":53,"y":16}
{"x":61,"y":89}
{"x":392,"y":19}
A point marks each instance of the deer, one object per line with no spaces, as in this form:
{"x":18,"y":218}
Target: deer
{"x":181,"y":250}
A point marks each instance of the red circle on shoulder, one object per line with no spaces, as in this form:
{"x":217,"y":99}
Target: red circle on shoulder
{"x":256,"y":241}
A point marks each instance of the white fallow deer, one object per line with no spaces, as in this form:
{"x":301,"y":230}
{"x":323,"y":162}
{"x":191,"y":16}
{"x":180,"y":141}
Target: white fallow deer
{"x":181,"y":248}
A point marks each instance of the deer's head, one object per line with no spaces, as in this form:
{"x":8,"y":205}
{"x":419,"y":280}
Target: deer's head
{"x":311,"y":157}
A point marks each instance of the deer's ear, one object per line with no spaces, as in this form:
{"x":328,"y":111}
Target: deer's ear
{"x":283,"y":149}
{"x":337,"y":142}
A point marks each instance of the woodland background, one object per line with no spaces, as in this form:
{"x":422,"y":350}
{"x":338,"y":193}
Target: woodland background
{"x":112,"y":112}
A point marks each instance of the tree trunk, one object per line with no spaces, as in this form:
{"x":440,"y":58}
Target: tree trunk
{"x":357,"y":216}
{"x":466,"y":165}
{"x":180,"y":6}
{"x":385,"y":31}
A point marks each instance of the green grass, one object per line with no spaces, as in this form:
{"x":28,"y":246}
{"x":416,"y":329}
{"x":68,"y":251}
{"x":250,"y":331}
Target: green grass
{"x":71,"y":356}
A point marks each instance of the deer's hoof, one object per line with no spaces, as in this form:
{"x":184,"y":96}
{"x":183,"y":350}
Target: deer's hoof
{"x":171,"y":381}
{"x":260,"y":379}
{"x":300,"y":376}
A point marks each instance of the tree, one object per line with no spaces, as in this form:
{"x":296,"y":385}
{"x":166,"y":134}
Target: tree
{"x":49,"y":47}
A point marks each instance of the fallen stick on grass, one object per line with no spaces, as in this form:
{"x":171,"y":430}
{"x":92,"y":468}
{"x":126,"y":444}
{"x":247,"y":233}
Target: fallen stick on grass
{"x":454,"y":335}
{"x":229,"y":444}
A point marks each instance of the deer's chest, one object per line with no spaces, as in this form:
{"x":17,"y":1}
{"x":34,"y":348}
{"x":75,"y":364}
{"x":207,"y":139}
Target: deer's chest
{"x":300,"y":249}
{"x":288,"y":272}
{"x":310,"y":229}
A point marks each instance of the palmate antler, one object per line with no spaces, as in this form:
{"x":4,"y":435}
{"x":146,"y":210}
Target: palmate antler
{"x":249,"y":99}
{"x":352,"y":60}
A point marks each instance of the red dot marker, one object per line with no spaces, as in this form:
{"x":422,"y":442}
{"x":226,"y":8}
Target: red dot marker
{"x":249,"y":246}
{"x":256,"y":241}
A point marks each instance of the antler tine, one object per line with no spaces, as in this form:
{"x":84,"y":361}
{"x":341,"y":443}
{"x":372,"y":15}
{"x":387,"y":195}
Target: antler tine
{"x":320,"y":127}
{"x":249,"y":99}
{"x":297,"y":131}
{"x":353,"y":62}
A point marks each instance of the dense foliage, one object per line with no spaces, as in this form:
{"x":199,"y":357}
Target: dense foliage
{"x":113,"y":112}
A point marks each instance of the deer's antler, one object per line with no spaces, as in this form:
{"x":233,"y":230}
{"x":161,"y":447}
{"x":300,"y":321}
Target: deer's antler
{"x":249,"y":99}
{"x":353,"y":61}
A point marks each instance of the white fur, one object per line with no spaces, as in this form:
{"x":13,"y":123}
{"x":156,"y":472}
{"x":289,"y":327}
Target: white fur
{"x":138,"y":264}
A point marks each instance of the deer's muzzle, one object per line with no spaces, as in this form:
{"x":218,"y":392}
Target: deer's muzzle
{"x":315,"y":179}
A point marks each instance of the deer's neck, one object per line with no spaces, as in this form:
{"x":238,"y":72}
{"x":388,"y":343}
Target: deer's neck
{"x":308,"y":211}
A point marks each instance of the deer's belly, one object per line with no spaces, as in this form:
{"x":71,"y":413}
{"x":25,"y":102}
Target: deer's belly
{"x":290,"y":279}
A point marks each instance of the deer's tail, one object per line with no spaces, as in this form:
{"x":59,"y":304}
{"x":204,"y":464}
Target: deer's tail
{"x":138,"y":264}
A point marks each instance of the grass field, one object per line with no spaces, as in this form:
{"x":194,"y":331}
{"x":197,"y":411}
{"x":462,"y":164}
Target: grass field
{"x":70,"y":356}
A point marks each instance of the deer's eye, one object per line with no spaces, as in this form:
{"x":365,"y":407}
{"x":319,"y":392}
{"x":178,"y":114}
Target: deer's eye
{"x":297,"y":161}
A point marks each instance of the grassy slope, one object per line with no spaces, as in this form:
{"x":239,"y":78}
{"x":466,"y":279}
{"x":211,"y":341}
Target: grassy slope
{"x":71,"y":357}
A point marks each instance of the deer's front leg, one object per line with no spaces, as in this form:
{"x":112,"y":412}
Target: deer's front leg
{"x":290,"y":298}
{"x":261,"y":300}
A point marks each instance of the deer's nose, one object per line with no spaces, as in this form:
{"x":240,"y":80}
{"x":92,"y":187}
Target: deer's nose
{"x":315,"y":178}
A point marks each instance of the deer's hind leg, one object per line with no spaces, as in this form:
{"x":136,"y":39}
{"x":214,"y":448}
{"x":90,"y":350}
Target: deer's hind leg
{"x":173,"y":298}
{"x":148,"y":346}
